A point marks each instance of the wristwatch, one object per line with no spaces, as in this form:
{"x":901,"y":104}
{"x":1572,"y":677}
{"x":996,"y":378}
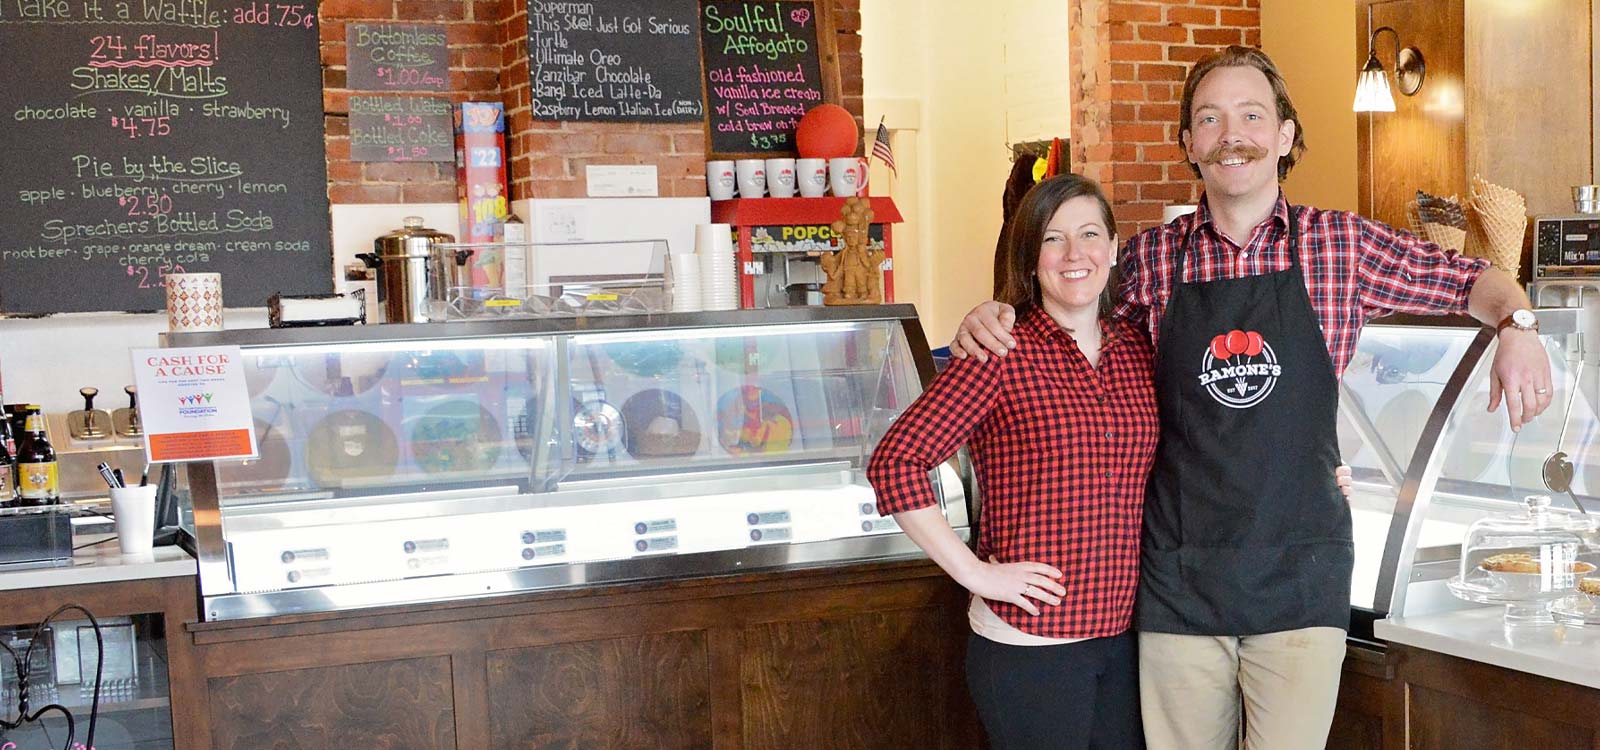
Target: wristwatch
{"x":1522,"y":320}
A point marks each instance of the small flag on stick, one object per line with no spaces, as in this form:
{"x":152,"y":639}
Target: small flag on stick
{"x":880,"y":147}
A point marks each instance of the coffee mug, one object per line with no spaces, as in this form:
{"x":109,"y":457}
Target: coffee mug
{"x":780,"y":178}
{"x":720,"y":179}
{"x":194,"y":302}
{"x":847,"y":176}
{"x":752,"y":176}
{"x":811,"y":176}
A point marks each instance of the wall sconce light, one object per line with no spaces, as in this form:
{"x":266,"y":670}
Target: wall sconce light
{"x":1372,"y":87}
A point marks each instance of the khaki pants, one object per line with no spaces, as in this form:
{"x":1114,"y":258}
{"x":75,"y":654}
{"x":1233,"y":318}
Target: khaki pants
{"x":1191,"y":688}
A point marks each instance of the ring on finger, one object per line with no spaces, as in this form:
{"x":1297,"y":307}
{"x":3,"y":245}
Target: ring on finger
{"x":1541,"y":391}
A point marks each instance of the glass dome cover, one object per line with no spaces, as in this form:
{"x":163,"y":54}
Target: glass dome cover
{"x":1524,"y":560}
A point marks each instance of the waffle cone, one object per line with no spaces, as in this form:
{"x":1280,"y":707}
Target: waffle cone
{"x":1498,"y":218}
{"x":1445,"y":236}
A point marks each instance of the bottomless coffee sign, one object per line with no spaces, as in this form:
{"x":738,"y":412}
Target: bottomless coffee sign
{"x":194,"y":404}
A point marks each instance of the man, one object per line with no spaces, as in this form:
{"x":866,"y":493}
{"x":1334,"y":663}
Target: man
{"x":1255,"y":307}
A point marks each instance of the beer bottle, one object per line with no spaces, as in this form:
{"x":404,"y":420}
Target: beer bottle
{"x":39,"y":480}
{"x":8,"y":468}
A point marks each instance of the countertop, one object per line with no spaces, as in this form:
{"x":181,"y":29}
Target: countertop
{"x":1565,"y":653}
{"x":102,"y":563}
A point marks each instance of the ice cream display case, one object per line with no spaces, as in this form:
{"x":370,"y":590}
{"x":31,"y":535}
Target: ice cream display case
{"x":430,"y":462}
{"x":1445,"y":489}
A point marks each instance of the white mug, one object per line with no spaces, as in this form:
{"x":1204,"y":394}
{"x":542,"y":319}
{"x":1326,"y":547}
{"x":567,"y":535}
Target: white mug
{"x":752,"y":174}
{"x":780,"y":178}
{"x":720,"y":179}
{"x":811,"y":176}
{"x":847,"y":176}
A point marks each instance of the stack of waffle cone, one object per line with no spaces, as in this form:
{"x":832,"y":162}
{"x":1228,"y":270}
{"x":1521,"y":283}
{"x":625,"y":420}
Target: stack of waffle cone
{"x":1445,"y":236}
{"x":1436,"y":220}
{"x":1497,"y":220}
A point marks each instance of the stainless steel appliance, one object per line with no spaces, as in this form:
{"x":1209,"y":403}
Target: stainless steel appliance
{"x":413,"y":272}
{"x":1566,"y":246}
{"x":429,"y":462}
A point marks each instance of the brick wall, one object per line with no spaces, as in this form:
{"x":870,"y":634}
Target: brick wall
{"x":489,"y":62}
{"x":548,"y":158}
{"x":1128,"y":63}
{"x":472,"y":27}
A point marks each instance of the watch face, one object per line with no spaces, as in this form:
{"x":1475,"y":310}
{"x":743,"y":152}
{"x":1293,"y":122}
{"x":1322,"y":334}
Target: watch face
{"x":1524,"y":318}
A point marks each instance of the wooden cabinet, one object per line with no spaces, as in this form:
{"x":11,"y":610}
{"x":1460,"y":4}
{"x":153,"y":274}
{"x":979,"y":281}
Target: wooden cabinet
{"x":1507,"y":95}
{"x":861,"y":657}
{"x":162,"y":709}
{"x":1414,"y":699}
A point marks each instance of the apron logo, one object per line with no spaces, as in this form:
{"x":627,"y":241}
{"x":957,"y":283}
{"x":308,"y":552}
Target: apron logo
{"x":1239,"y":369}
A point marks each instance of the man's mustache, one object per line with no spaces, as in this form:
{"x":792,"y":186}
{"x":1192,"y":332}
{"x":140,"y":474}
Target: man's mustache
{"x":1246,"y":151}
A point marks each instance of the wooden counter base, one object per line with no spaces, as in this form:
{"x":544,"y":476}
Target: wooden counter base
{"x":1415,"y":699}
{"x":867,"y":656}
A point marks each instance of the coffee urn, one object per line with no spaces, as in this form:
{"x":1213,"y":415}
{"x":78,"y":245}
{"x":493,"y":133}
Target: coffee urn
{"x":415,"y":274}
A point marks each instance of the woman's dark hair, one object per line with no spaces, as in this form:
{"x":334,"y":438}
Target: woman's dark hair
{"x":1019,"y":255}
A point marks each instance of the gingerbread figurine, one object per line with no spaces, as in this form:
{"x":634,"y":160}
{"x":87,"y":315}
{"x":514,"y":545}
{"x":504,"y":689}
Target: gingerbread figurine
{"x":853,"y":275}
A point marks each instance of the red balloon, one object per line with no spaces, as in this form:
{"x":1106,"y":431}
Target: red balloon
{"x":1219,"y":347}
{"x":1254,"y":346}
{"x":1237,"y":341}
{"x":828,"y":131}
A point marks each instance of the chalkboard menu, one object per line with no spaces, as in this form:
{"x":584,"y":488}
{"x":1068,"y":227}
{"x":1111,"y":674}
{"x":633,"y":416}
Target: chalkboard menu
{"x":150,"y":137}
{"x":763,"y":71}
{"x":614,"y":61}
{"x":401,"y":128}
{"x":396,"y":57}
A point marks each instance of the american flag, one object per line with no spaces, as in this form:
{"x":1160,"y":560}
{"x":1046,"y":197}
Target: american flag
{"x":880,"y":147}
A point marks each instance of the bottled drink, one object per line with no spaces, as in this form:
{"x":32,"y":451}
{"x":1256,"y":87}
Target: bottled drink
{"x":39,"y":480}
{"x":8,"y":468}
{"x":8,"y":495}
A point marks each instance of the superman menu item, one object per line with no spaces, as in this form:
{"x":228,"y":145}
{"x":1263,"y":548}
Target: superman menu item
{"x":614,"y":61}
{"x":401,"y":128}
{"x":763,"y":71}
{"x":396,"y":57}
{"x":160,"y":136}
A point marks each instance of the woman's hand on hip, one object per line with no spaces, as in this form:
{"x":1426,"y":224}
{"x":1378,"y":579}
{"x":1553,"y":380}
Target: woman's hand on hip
{"x":1024,"y":584}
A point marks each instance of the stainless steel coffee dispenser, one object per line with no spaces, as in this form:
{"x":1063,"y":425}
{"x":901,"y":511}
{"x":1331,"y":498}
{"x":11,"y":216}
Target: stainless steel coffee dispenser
{"x":415,"y":274}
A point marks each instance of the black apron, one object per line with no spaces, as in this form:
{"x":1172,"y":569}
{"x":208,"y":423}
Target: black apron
{"x":1245,"y":530}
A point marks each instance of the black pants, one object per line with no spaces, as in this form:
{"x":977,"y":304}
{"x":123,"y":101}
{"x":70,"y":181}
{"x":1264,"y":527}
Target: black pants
{"x":1076,"y":695}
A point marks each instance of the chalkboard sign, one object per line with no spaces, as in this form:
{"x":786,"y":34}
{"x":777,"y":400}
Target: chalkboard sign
{"x":614,"y":61}
{"x":396,"y":57}
{"x":150,"y":137}
{"x":401,"y":128}
{"x":765,"y":66}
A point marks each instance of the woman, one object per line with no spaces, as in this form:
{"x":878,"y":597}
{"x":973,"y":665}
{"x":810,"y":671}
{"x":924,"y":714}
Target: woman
{"x":1061,"y":438}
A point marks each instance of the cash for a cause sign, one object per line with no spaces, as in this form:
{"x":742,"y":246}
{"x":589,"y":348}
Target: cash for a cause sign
{"x":194,"y":404}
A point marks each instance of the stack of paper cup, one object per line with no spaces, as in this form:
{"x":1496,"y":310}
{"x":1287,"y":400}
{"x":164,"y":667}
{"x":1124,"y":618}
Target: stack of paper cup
{"x":686,"y":291}
{"x":719,"y":282}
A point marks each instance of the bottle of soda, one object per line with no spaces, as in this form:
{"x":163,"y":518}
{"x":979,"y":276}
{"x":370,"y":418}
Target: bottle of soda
{"x":38,"y":480}
{"x":8,"y":468}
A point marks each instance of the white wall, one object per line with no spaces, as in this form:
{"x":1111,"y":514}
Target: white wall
{"x":1038,"y":89}
{"x":46,"y":360}
{"x":951,"y":64}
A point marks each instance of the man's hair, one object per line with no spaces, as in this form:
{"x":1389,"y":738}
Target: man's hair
{"x":1236,"y":56}
{"x":1019,"y":254}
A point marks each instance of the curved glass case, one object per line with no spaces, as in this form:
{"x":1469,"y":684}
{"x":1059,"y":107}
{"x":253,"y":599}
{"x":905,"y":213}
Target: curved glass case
{"x":423,"y":462}
{"x":1430,"y":460}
